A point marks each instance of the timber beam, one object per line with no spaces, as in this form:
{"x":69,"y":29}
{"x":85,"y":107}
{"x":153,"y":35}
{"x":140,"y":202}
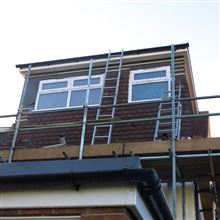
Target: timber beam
{"x":106,"y":150}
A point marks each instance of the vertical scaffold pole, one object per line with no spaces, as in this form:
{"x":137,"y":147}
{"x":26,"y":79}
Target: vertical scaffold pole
{"x":85,"y":114}
{"x":18,"y":119}
{"x":183,"y":201}
{"x":173,"y":140}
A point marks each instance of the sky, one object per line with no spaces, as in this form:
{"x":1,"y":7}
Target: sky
{"x":41,"y":30}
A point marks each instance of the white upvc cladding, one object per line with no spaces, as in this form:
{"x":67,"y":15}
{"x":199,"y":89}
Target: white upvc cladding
{"x":189,"y":205}
{"x":133,"y":81}
{"x":69,"y":88}
{"x":102,"y":196}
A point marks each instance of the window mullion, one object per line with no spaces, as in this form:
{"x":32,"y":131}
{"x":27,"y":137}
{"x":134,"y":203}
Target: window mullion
{"x":70,"y":89}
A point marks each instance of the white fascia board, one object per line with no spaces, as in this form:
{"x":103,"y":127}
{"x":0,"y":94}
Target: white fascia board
{"x":141,"y":208}
{"x":99,"y":62}
{"x":84,"y":197}
{"x":102,"y":196}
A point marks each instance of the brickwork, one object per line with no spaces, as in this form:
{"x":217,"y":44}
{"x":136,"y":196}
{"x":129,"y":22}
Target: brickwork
{"x":129,"y":132}
{"x":105,"y":213}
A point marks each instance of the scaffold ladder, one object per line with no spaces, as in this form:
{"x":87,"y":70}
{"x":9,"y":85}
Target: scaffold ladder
{"x":164,"y":126}
{"x":19,"y":115}
{"x":109,"y":95}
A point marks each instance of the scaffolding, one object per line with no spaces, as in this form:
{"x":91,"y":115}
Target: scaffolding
{"x":173,"y":156}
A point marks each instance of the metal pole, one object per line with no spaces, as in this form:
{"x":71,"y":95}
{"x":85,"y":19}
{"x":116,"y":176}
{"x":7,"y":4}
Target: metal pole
{"x":183,"y":201}
{"x":196,"y":194}
{"x":116,"y":95}
{"x":173,"y":139}
{"x":199,"y":98}
{"x":66,"y":125}
{"x":82,"y":141}
{"x":8,"y":116}
{"x":141,"y":103}
{"x":166,"y":157}
{"x":214,"y":191}
{"x":157,"y":101}
{"x":19,"y":114}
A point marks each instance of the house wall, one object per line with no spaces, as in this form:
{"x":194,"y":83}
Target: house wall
{"x":107,"y":213}
{"x":113,"y":203}
{"x":130,"y":132}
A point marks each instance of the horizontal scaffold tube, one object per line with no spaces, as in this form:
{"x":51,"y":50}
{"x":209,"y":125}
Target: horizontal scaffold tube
{"x":156,"y":101}
{"x":8,"y":116}
{"x":165,"y":157}
{"x":123,"y":121}
{"x":133,"y":104}
{"x":127,"y":104}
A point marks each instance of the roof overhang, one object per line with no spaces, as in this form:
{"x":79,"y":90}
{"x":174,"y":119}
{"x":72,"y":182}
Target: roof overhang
{"x":126,"y":196}
{"x":101,"y":56}
{"x":79,"y":63}
{"x":88,"y":172}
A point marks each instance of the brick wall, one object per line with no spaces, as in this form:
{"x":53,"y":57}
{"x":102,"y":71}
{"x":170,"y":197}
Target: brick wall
{"x":129,"y":132}
{"x":105,"y":213}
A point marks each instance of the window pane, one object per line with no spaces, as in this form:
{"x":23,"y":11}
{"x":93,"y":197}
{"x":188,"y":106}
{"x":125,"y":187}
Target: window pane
{"x":78,"y":97}
{"x":150,"y":75}
{"x":149,"y":91}
{"x":55,"y":85}
{"x":94,"y":96}
{"x":52,"y":100}
{"x":84,"y":82}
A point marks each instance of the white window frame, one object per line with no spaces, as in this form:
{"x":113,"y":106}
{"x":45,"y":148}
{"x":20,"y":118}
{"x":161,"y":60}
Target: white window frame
{"x":132,"y":81}
{"x":68,"y":89}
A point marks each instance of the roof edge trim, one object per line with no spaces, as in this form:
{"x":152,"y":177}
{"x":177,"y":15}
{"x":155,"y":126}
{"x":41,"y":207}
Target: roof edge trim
{"x":102,"y":56}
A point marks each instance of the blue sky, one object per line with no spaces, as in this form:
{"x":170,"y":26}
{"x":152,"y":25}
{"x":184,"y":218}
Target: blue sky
{"x":41,"y":30}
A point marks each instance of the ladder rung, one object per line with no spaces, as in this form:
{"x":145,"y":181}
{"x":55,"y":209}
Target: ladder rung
{"x":102,"y":126}
{"x":164,"y":130}
{"x":110,"y":87}
{"x":167,"y":109}
{"x":105,"y":136}
{"x":166,"y":123}
{"x":111,"y":79}
{"x":105,"y":115}
{"x":108,"y":96}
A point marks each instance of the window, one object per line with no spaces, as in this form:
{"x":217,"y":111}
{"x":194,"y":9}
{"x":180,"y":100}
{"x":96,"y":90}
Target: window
{"x":149,"y":84}
{"x":68,"y":93}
